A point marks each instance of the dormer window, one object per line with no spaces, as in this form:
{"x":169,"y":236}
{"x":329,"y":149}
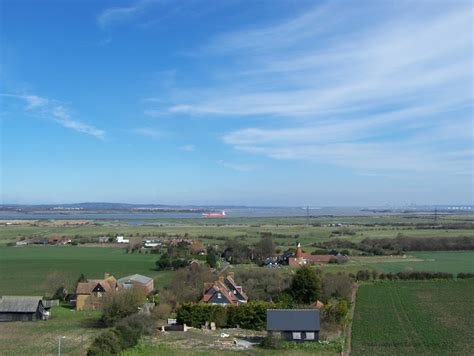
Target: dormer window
{"x":219,"y":295}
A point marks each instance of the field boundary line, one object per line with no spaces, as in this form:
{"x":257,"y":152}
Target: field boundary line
{"x":348,"y":327}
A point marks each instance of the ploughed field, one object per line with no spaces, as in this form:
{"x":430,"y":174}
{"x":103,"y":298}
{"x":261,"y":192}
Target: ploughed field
{"x":414,"y":318}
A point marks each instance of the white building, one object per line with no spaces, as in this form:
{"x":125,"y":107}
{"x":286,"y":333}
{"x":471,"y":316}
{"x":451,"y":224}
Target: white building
{"x":121,"y":240}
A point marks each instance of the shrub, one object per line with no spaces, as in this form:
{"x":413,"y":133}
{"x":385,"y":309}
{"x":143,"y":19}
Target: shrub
{"x":122,"y":304}
{"x":131,"y":328}
{"x":107,"y":343}
{"x":335,"y":310}
{"x":162,"y":311}
{"x":465,"y":275}
{"x":271,"y":342}
{"x":336,"y":286}
{"x":252,"y":315}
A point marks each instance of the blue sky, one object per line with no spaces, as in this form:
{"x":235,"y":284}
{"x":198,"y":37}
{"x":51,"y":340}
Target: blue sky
{"x":237,"y":102}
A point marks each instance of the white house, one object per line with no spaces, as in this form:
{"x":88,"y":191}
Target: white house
{"x":151,"y":243}
{"x":121,"y":240}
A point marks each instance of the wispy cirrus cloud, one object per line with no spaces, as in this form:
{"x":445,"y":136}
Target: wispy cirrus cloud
{"x":235,"y":166}
{"x":148,"y":132}
{"x":54,"y":110}
{"x":119,"y":15}
{"x":339,"y":85}
{"x":143,"y":13}
{"x":188,"y":148}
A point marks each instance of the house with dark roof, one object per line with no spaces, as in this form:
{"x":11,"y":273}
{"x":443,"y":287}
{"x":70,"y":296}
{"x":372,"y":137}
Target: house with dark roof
{"x":21,"y":308}
{"x":90,"y":295}
{"x":294,"y":324}
{"x":224,"y":291}
{"x":137,"y":281}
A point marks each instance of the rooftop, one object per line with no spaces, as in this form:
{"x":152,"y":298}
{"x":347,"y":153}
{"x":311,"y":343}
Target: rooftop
{"x":293,"y":319}
{"x":19,"y":304}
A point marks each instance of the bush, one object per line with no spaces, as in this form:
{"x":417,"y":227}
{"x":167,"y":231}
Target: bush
{"x":335,"y":310}
{"x":122,"y":304}
{"x":131,"y":328}
{"x":252,"y":315}
{"x":465,"y":275}
{"x":107,"y":343}
{"x":162,"y":311}
{"x":271,"y":342}
{"x":336,"y":286}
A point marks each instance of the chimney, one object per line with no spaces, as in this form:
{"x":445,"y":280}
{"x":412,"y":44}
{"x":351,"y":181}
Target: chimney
{"x":106,"y":275}
{"x":221,"y":279}
{"x":230,"y":274}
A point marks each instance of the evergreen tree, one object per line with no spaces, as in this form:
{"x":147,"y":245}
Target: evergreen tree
{"x":211,"y":259}
{"x":306,"y":286}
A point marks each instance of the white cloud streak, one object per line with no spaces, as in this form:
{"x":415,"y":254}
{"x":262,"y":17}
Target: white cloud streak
{"x":234,"y":166}
{"x":148,"y":132}
{"x":188,"y":148}
{"x":117,"y":15}
{"x":337,"y":85}
{"x":53,"y":109}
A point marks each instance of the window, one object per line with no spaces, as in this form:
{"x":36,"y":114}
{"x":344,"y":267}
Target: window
{"x":219,"y":296}
{"x":296,"y":336}
{"x":310,"y":336}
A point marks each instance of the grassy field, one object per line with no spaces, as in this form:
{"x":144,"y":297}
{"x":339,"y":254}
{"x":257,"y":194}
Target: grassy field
{"x":204,"y":345}
{"x":435,"y":261}
{"x":284,"y":235}
{"x":414,"y":318}
{"x":24,"y":270}
{"x":40,"y":338}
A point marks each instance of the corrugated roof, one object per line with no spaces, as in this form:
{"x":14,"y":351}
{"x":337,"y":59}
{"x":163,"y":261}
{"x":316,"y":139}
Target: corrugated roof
{"x":19,"y":304}
{"x":293,"y":320}
{"x":135,"y":278}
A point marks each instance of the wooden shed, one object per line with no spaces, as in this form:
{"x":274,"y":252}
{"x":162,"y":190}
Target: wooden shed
{"x":21,"y":308}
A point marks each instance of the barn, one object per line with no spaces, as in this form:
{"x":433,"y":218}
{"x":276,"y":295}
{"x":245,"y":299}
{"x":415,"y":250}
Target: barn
{"x":19,"y":308}
{"x":294,"y":324}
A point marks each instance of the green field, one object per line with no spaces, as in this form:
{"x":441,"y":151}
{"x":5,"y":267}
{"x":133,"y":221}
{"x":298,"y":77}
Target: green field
{"x":24,"y":270}
{"x":433,"y":261}
{"x":40,"y":338}
{"x":414,"y":318}
{"x":287,"y":231}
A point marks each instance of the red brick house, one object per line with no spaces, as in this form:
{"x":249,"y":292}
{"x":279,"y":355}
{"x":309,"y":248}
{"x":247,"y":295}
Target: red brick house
{"x":301,"y":258}
{"x":90,"y":295}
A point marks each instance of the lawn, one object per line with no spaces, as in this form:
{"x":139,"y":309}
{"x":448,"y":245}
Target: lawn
{"x":40,"y":338}
{"x":414,"y":318}
{"x":24,"y":270}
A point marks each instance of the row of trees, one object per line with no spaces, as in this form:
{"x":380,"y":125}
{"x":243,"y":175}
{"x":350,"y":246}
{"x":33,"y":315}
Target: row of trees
{"x":399,"y":245}
{"x":252,"y":315}
{"x":366,"y":275}
{"x":304,"y":289}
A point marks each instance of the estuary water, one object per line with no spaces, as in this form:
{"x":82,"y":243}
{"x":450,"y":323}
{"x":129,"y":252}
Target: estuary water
{"x":230,"y":213}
